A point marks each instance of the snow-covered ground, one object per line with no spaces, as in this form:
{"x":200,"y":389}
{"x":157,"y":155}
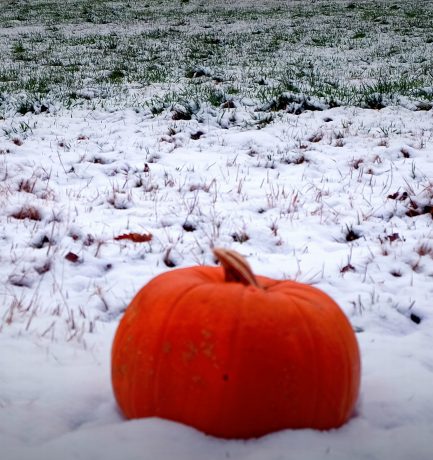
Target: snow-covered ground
{"x":342,"y":198}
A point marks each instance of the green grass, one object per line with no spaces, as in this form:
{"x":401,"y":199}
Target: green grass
{"x":366,"y":53}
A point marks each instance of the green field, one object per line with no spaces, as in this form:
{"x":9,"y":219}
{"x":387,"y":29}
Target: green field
{"x":151,"y":54}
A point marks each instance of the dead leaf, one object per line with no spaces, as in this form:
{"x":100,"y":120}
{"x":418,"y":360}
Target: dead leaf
{"x":72,"y":257}
{"x":135,"y":237}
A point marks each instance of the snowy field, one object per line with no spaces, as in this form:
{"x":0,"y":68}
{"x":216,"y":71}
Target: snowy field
{"x":304,"y":184}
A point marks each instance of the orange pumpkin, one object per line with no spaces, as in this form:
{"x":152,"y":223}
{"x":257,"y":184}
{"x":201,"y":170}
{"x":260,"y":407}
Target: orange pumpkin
{"x":235,"y":355}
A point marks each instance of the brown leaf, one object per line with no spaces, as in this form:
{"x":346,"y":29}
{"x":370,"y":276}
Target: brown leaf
{"x":398,"y":196}
{"x":393,"y":237}
{"x":72,"y":257}
{"x":135,"y":237}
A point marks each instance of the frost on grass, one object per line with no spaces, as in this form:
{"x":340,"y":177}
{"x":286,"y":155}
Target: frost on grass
{"x":292,"y":56}
{"x":360,"y":210}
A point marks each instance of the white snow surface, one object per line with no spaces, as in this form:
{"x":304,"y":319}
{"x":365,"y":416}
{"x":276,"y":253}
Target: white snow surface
{"x":339,"y":198}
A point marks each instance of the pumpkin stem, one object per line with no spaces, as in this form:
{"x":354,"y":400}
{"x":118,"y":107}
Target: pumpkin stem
{"x":236,"y":268}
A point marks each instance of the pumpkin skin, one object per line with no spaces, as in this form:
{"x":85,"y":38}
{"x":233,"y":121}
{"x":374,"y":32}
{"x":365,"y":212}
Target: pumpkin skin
{"x":206,"y":348}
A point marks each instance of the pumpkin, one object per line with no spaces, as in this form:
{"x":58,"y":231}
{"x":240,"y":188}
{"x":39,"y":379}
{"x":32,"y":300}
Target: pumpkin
{"x":233,"y":354}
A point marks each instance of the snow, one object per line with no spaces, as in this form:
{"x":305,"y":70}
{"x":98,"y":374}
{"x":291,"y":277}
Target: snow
{"x":338,"y":198}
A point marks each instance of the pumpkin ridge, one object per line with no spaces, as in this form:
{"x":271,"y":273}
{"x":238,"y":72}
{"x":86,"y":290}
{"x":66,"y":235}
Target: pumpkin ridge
{"x":346,"y":395}
{"x":231,"y":365}
{"x":163,"y":337}
{"x":314,"y":358}
{"x":135,"y":383}
{"x":132,"y":390}
{"x":121,"y":334}
{"x":337,"y":329}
